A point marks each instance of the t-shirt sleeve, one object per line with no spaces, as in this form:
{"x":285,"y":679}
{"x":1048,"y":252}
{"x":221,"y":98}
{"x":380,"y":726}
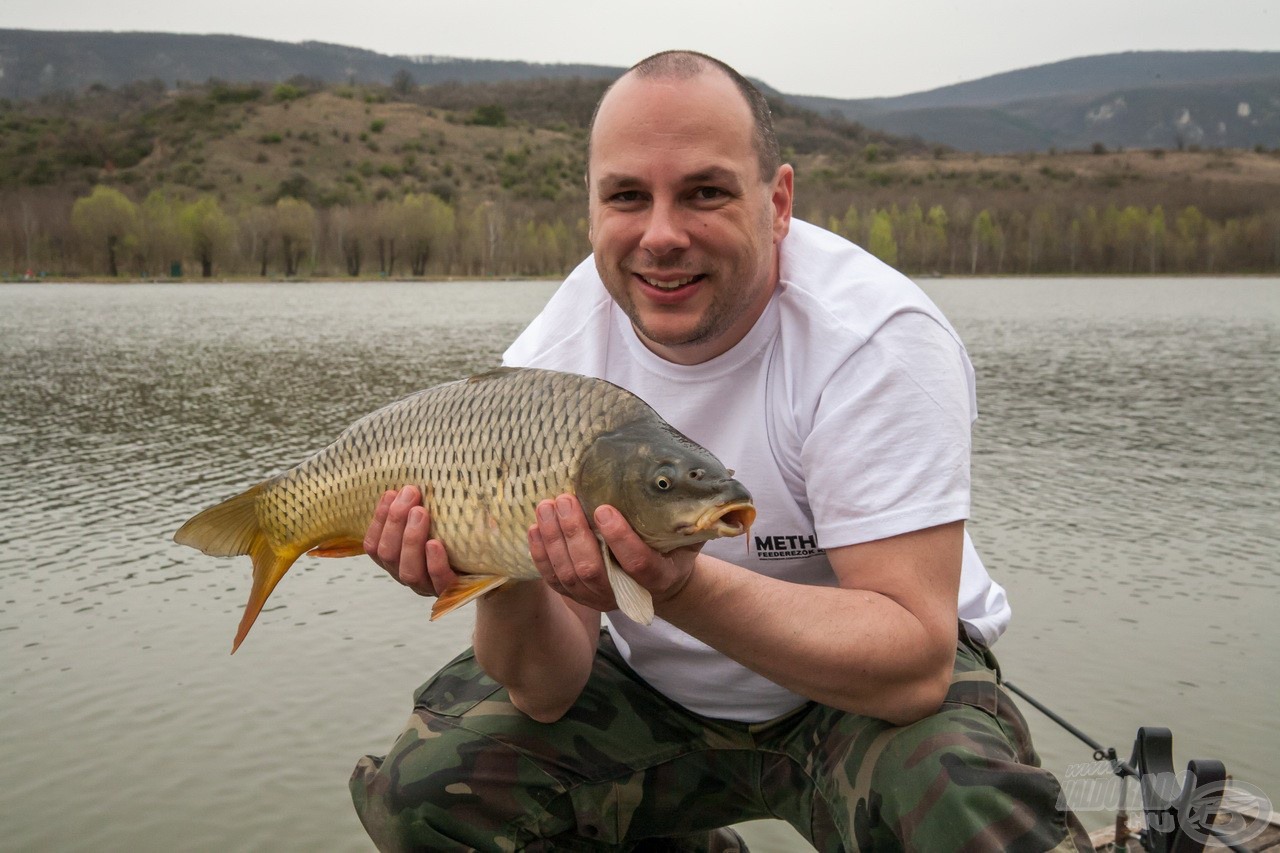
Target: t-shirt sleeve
{"x":888,"y":451}
{"x":579,"y":300}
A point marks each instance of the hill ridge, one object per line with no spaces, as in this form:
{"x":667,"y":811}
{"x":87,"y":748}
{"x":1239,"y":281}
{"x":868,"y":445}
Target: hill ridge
{"x":1170,"y":96}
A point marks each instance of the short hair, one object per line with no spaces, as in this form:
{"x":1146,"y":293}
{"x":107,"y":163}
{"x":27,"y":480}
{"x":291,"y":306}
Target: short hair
{"x":685,"y":64}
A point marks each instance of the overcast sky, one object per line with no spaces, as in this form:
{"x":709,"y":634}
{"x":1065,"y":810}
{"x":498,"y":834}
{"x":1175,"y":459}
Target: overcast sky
{"x":812,"y":47}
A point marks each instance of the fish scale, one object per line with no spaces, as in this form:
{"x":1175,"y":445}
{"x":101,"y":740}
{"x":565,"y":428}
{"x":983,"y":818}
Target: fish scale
{"x":484,"y":452}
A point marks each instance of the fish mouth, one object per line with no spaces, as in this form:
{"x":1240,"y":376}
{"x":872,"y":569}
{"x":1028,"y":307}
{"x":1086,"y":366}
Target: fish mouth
{"x":731,"y":519}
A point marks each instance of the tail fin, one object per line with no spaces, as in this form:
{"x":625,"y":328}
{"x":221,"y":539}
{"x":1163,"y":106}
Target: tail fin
{"x":231,"y":529}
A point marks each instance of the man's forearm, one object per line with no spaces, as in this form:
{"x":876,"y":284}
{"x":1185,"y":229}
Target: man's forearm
{"x":537,"y":645}
{"x":852,"y":649}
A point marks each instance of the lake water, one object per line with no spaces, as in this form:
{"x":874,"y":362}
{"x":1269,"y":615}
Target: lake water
{"x":1126,"y":492}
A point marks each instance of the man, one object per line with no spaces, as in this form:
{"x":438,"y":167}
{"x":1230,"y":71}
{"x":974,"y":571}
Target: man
{"x":814,"y":673}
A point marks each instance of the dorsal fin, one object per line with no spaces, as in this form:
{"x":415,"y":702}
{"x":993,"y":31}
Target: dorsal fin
{"x":492,"y":374}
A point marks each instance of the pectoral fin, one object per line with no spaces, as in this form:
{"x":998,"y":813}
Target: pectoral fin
{"x":338,"y":548}
{"x":464,"y":589}
{"x":633,"y":599}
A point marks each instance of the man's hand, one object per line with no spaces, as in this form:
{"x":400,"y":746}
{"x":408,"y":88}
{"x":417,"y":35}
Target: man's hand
{"x":399,"y":540}
{"x":567,"y":553}
{"x":538,"y":645}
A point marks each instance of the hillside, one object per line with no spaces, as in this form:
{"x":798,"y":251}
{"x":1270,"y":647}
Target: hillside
{"x":34,"y":63}
{"x":1086,"y":76}
{"x":300,"y":178}
{"x":1225,"y":99}
{"x":254,"y":143}
{"x":1166,"y":99}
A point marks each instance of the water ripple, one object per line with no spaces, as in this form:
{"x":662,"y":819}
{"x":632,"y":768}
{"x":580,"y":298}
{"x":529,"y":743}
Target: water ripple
{"x":1125,"y":490}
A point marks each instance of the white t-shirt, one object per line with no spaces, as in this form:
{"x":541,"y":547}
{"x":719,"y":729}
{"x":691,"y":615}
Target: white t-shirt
{"x":845,"y":411}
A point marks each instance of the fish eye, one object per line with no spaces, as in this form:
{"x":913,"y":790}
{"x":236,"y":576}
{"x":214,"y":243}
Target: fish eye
{"x":663,"y":482}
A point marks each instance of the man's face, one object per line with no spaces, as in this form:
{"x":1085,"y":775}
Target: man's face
{"x":685,"y":231}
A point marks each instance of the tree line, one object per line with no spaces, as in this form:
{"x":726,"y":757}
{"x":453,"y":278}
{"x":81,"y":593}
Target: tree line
{"x":105,"y":233}
{"x":1063,"y":238}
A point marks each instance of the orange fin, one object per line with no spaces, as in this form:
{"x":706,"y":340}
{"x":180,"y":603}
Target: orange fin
{"x":269,"y":567}
{"x":230,"y":529}
{"x":338,"y":548}
{"x":464,"y":589}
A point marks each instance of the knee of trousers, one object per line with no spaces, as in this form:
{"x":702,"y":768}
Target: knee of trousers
{"x":954,"y":779}
{"x":449,"y":790}
{"x":373,"y":798}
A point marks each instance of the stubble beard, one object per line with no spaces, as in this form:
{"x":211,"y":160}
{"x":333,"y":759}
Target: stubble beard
{"x":729,"y":301}
{"x":723,"y":311}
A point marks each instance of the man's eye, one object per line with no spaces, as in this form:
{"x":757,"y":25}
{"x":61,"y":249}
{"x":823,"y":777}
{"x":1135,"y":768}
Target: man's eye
{"x":708,"y":193}
{"x":625,"y":197}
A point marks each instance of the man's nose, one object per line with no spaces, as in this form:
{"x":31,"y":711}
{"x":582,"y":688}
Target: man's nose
{"x":665,"y":229}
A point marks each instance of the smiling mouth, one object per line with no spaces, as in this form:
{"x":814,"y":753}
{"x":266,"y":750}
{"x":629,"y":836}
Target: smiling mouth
{"x":672,"y":284}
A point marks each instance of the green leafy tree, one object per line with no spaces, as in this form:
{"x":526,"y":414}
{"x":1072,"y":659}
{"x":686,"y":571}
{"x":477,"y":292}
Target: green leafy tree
{"x":1155,"y":236}
{"x":480,"y":237}
{"x":345,"y":228}
{"x":960,"y":224}
{"x":851,"y":224}
{"x":386,"y":224}
{"x":296,"y":225}
{"x":1218,"y":241}
{"x":258,"y":233}
{"x":909,"y":230}
{"x":286,"y":92}
{"x":106,"y":219}
{"x":208,"y":231}
{"x":880,"y":240}
{"x":1093,"y":243}
{"x":984,"y":239}
{"x":1131,"y":225}
{"x":490,"y":115}
{"x":160,"y":238}
{"x":1192,"y":229}
{"x":556,"y":239}
{"x":1042,"y":229}
{"x":428,"y":226}
{"x":936,"y":223}
{"x":1075,"y":238}
{"x":1014,"y":234}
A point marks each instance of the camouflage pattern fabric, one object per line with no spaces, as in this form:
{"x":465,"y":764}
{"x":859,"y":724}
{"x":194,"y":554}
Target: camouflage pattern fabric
{"x":627,"y":769}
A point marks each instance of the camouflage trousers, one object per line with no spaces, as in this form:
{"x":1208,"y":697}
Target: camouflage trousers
{"x":626,"y":765}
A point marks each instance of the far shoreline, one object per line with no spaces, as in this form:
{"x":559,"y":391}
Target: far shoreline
{"x":297,"y":279}
{"x":916,"y":277}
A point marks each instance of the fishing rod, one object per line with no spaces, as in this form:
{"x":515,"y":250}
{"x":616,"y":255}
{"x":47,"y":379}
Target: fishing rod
{"x":1170,"y":819}
{"x":1100,"y":752}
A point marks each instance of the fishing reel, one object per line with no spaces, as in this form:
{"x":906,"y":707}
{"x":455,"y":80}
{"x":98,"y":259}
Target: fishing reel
{"x":1178,"y":820}
{"x":1182,"y":814}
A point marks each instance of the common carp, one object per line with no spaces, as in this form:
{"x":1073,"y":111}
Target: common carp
{"x":484,"y":451}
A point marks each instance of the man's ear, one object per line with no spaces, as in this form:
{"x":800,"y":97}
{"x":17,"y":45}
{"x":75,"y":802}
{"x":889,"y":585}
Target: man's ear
{"x":783,"y":196}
